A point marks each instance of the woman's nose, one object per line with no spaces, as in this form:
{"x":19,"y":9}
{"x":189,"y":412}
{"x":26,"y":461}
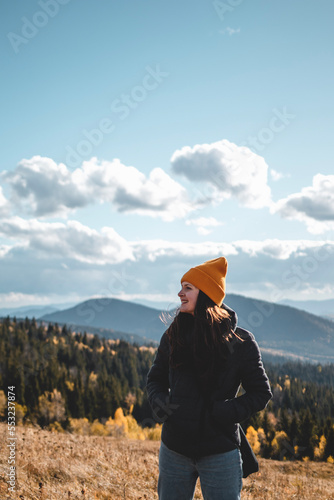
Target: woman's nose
{"x":180,"y":293}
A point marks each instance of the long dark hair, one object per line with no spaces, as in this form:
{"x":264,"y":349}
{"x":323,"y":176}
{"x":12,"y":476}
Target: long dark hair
{"x":200,"y":341}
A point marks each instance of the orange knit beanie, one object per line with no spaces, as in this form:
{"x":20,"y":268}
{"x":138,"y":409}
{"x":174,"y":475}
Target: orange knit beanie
{"x":210,"y":278}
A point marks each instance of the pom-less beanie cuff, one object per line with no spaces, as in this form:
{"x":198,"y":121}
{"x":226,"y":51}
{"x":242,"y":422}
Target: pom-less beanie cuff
{"x":210,"y":278}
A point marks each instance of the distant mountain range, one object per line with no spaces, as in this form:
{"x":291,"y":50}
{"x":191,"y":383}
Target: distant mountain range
{"x":31,"y":311}
{"x":279,"y":329}
{"x":26,"y":311}
{"x":112,"y":314}
{"x":324,"y":308}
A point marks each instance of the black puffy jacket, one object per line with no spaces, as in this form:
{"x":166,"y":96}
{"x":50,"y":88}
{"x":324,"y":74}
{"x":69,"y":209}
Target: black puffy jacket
{"x":197,"y":424}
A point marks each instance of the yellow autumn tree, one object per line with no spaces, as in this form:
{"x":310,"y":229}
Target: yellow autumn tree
{"x":56,"y":427}
{"x":80,"y":426}
{"x":98,"y":429}
{"x":278,"y":444}
{"x":121,"y":422}
{"x":20,"y":411}
{"x":117,"y":426}
{"x":109,"y":426}
{"x":135,"y":431}
{"x":252,"y":437}
{"x":3,"y":403}
{"x":319,"y":451}
{"x":153,"y":433}
{"x":52,"y":406}
{"x":261,"y":435}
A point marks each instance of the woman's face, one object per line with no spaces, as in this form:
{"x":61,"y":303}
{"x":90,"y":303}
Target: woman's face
{"x":188,"y":295}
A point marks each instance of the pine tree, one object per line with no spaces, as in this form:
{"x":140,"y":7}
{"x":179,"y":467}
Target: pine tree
{"x":293,"y":429}
{"x":306,"y":436}
{"x":329,"y":448}
{"x":269,"y":433}
{"x":284,"y":422}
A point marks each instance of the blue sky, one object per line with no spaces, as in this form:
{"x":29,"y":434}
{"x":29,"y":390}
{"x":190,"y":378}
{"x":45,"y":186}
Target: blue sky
{"x":142,"y":138}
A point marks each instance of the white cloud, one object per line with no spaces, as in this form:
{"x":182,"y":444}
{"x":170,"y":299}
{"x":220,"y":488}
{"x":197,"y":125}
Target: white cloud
{"x":277,"y":249}
{"x":3,"y":203}
{"x":4,"y":250}
{"x":225,"y":170}
{"x":230,"y":31}
{"x":129,"y":190}
{"x":277,"y":176}
{"x":3,"y":200}
{"x":273,"y":248}
{"x":72,"y":240}
{"x":203,"y":223}
{"x":155,"y":249}
{"x":314,"y":205}
{"x":42,"y":187}
{"x":203,"y":231}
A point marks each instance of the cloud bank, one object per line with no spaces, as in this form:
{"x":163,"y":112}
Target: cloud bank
{"x":72,"y":241}
{"x":71,"y":258}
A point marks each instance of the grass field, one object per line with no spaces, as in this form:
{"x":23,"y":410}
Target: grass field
{"x":68,"y":466}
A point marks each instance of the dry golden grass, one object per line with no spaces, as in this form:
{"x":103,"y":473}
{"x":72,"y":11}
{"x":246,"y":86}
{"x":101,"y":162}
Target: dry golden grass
{"x":68,"y":466}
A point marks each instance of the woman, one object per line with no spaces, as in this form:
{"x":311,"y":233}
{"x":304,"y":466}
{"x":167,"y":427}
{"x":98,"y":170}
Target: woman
{"x":202,"y":359}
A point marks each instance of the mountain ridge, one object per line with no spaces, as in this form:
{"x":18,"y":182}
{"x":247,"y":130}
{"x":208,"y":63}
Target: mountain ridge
{"x":278,"y":328}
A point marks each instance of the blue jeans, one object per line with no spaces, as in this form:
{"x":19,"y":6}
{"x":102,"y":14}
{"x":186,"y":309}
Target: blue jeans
{"x":220,"y":475}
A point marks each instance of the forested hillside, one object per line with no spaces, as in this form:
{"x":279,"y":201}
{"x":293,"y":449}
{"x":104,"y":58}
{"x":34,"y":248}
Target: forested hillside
{"x":94,"y":376}
{"x":61,"y":375}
